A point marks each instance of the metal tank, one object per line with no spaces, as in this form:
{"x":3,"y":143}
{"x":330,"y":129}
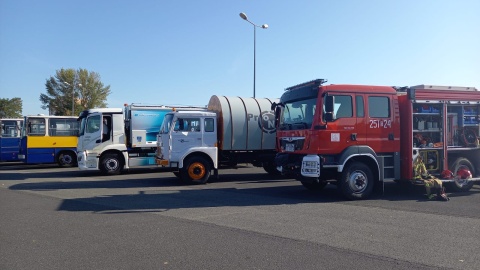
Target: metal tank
{"x":244,"y":124}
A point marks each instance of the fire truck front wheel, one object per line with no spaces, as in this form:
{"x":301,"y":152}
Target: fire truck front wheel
{"x":196,"y":170}
{"x":356,"y":181}
{"x":111,"y":164}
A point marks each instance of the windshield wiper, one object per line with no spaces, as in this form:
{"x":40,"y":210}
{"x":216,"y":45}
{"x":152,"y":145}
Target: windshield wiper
{"x":285,"y":126}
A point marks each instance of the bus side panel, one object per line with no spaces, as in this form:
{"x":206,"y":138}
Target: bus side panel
{"x":51,"y":142}
{"x":43,"y":149}
{"x":40,"y":155}
{"x":9,"y":148}
{"x":44,"y":155}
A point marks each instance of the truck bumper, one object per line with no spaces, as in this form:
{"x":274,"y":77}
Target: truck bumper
{"x":298,"y":165}
{"x":161,"y":162}
{"x":166,"y":163}
{"x":87,"y":162}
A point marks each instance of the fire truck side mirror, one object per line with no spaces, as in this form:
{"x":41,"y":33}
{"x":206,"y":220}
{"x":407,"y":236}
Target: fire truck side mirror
{"x":329,"y":108}
{"x":277,"y":114}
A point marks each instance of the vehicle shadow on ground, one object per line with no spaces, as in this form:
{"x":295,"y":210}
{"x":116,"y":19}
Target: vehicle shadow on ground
{"x":22,"y":166}
{"x":165,"y":200}
{"x":161,"y":194}
{"x":18,"y":174}
{"x":21,"y":174}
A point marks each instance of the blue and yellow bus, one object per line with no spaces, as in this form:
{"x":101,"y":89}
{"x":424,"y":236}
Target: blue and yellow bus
{"x":10,"y":138}
{"x":49,"y":139}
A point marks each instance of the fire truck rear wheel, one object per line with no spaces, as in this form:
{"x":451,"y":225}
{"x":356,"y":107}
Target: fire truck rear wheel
{"x":196,"y":170}
{"x":461,"y":184}
{"x":67,"y":159}
{"x":356,"y":181}
{"x":111,"y":164}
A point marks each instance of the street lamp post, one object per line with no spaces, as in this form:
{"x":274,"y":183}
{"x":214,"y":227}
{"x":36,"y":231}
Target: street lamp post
{"x":264,"y":26}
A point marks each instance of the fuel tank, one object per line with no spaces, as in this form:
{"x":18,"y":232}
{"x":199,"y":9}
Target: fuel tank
{"x":244,"y":124}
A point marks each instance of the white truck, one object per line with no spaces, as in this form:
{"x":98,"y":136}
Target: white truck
{"x":113,"y":139}
{"x":232,"y":130}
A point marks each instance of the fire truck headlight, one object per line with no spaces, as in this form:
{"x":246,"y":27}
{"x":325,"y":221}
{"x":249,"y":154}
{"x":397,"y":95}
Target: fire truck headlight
{"x":311,"y":166}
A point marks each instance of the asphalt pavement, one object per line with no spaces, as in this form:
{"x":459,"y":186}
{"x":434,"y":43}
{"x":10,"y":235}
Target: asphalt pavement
{"x":56,"y":218}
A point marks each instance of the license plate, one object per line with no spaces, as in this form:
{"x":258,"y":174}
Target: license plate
{"x":290,"y":147}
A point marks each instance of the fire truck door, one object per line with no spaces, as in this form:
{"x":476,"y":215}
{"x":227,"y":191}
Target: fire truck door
{"x":361,"y":129}
{"x":379,"y":124}
{"x":344,"y":132}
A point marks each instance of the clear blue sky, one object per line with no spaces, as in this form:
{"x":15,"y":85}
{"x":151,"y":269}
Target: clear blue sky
{"x":184,"y":51}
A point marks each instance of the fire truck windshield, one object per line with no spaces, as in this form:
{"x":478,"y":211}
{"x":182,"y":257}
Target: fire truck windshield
{"x":298,"y":114}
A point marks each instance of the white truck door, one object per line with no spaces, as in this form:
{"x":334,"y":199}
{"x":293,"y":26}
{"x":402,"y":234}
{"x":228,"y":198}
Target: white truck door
{"x":93,"y":131}
{"x":186,"y":134}
{"x":209,"y":132}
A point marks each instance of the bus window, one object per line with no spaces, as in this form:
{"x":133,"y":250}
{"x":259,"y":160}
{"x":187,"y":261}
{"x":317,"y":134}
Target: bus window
{"x":63,"y":127}
{"x":36,"y":127}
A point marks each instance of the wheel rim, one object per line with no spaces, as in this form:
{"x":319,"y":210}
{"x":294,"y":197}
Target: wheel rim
{"x":357,"y":181}
{"x":66,"y":159}
{"x":461,"y":182}
{"x":196,"y":171}
{"x":111,"y":164}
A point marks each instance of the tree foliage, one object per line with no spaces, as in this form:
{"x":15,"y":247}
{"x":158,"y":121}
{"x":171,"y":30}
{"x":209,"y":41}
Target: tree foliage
{"x":80,"y":87}
{"x":11,"y":108}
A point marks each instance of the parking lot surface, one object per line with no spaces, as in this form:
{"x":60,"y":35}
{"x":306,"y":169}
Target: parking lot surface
{"x":55,"y":218}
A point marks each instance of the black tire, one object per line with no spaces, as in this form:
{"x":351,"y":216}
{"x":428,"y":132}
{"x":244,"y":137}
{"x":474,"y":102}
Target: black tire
{"x":314,"y":186}
{"x":356,"y":181}
{"x":271,"y":169}
{"x":67,"y":159}
{"x":196,"y":170}
{"x":461,"y":185}
{"x":111,"y":164}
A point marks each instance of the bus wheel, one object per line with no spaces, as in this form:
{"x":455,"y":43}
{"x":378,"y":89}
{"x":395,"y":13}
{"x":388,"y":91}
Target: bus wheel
{"x":111,"y":164}
{"x":356,"y":181}
{"x":66,"y":159}
{"x":196,"y":170}
{"x":462,"y":169}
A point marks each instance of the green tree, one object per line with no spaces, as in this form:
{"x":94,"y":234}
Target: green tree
{"x":79,"y":89}
{"x":11,"y":108}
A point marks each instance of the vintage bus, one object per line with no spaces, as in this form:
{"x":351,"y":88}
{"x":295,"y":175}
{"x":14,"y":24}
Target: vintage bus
{"x":10,"y":138}
{"x":49,"y":139}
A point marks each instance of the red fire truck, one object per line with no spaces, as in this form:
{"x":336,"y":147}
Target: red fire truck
{"x":359,"y":136}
